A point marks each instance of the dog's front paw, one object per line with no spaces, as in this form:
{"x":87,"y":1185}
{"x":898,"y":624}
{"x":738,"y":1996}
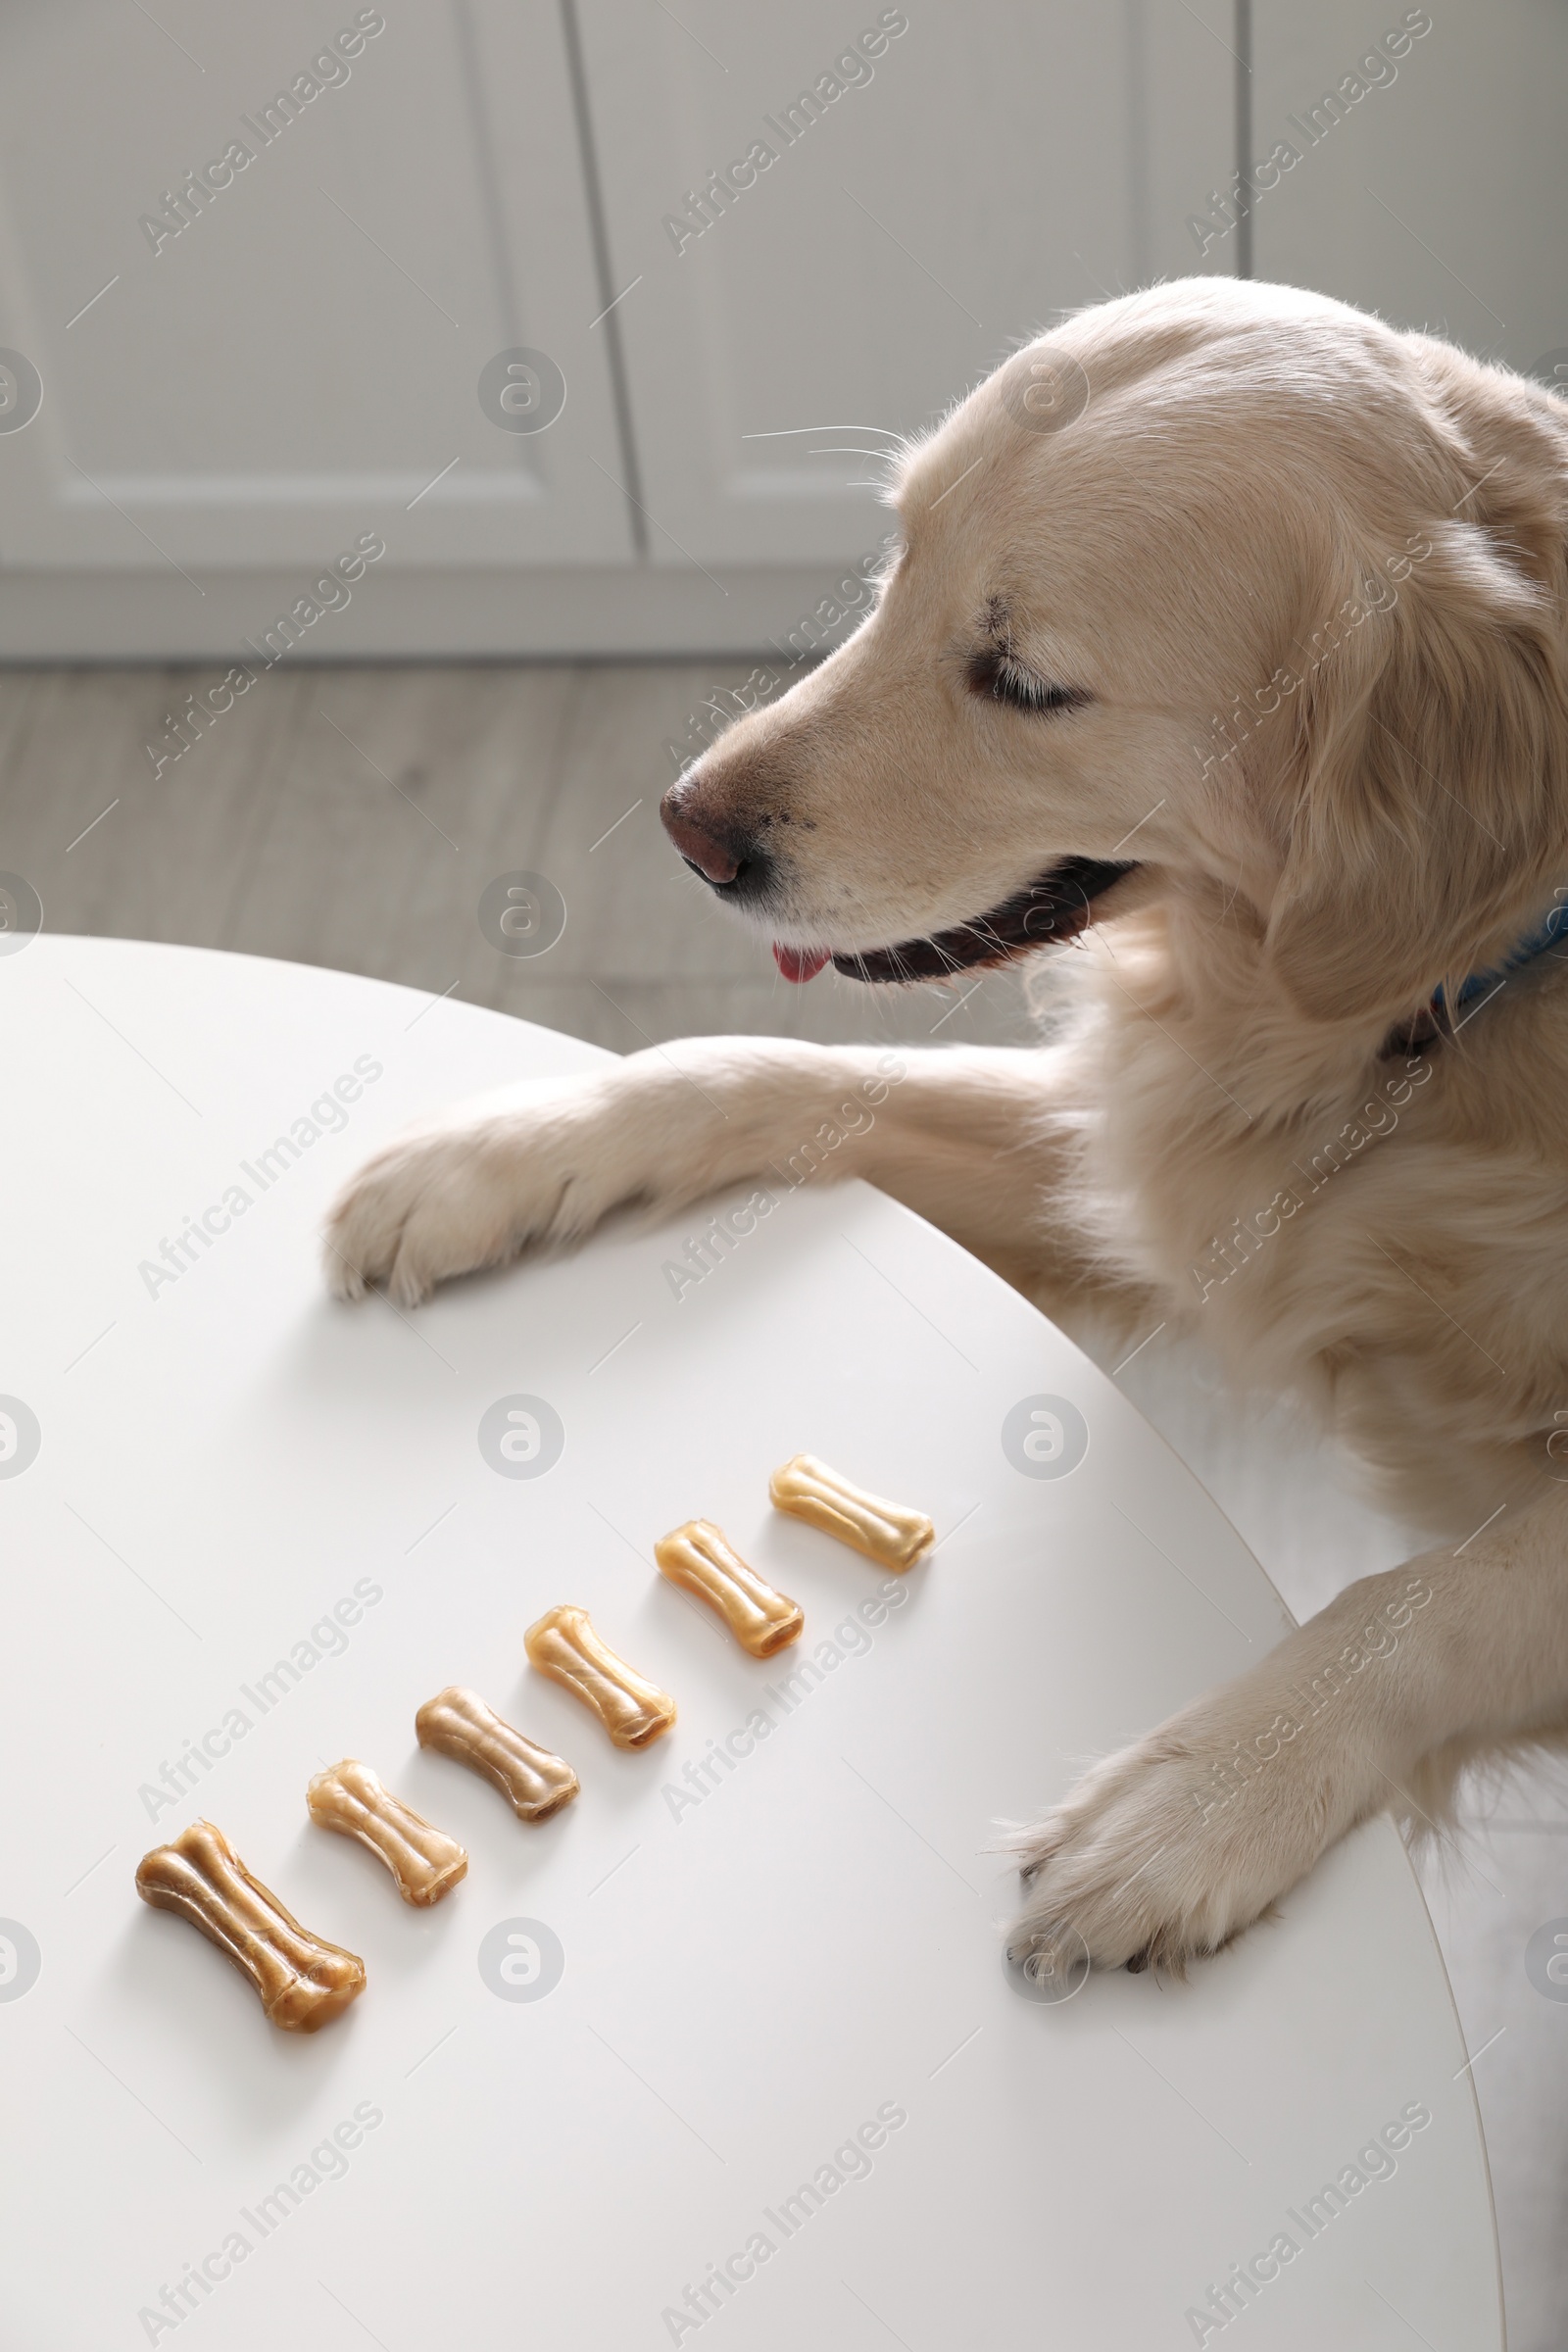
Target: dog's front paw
{"x":446,"y":1199}
{"x":1167,"y":1850}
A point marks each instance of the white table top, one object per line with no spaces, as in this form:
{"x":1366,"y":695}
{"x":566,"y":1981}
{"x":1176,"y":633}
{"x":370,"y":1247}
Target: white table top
{"x":746,"y":1980}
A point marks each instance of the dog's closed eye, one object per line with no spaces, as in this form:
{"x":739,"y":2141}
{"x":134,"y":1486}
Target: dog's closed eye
{"x":1005,"y":680}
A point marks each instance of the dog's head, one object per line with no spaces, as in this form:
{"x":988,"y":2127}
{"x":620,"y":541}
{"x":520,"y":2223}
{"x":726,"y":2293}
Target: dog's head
{"x":1221,"y":593}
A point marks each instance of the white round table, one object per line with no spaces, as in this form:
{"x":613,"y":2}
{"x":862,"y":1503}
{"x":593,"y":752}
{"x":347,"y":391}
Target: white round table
{"x":727,"y":2050}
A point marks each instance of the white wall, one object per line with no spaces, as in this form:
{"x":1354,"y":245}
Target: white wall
{"x":299,"y":365}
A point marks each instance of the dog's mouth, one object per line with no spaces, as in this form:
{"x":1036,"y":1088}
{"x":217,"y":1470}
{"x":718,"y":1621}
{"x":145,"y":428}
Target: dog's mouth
{"x":1056,"y":905}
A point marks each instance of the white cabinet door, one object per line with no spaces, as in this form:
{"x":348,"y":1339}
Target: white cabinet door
{"x":933,"y":194}
{"x":1432,"y":175}
{"x":255,"y":367}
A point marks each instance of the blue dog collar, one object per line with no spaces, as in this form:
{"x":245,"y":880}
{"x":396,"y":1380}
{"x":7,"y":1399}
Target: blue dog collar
{"x":1435,"y":1020}
{"x":1552,"y":933}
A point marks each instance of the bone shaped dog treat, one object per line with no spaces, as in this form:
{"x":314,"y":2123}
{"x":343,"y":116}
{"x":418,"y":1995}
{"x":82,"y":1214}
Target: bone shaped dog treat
{"x":563,"y":1645}
{"x":301,"y":1981}
{"x":424,"y":1863}
{"x":458,"y":1724}
{"x":886,"y":1532}
{"x":700,"y":1558}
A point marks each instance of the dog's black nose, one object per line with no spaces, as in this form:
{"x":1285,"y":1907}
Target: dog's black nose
{"x":728,"y":860}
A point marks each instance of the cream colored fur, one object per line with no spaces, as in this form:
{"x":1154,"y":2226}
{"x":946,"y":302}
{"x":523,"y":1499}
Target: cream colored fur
{"x":1311,"y":573}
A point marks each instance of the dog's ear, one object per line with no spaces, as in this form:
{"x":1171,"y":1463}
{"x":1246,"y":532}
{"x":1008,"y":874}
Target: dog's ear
{"x":1428,"y":768}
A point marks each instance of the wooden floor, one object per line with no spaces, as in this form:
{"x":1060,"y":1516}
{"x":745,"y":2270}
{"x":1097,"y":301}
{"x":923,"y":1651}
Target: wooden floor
{"x":354,"y":816}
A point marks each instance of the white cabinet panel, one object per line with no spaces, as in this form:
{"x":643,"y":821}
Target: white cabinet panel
{"x":989,"y":165}
{"x":1431,"y":179}
{"x":292,"y":365}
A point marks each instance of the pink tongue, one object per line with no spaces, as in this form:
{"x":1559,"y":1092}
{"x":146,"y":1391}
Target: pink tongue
{"x":800,"y":964}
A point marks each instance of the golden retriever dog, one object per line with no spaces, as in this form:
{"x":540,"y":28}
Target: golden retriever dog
{"x":1226,"y":633}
